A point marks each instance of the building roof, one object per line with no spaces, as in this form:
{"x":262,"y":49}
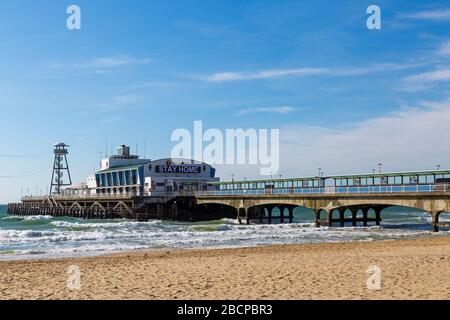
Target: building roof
{"x":60,"y":144}
{"x":181,"y":161}
{"x":124,"y":168}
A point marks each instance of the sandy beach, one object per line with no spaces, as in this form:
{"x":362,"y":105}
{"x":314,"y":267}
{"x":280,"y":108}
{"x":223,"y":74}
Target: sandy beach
{"x":410,"y":269}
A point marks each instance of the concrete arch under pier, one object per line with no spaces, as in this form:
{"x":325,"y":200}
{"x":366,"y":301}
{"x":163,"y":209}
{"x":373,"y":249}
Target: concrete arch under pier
{"x":210,"y":211}
{"x":265,"y":213}
{"x":358,"y":213}
{"x":432,"y":203}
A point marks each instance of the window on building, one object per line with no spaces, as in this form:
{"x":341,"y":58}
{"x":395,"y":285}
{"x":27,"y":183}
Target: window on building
{"x":134,"y":177}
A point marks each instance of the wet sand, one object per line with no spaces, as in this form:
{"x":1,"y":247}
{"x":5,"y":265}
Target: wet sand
{"x":410,"y":269}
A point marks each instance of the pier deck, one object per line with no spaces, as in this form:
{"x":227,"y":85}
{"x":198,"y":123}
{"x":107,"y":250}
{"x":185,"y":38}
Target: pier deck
{"x":344,"y":199}
{"x":132,"y":207}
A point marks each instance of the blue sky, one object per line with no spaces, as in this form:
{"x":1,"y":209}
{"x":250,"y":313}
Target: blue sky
{"x":344,"y":97}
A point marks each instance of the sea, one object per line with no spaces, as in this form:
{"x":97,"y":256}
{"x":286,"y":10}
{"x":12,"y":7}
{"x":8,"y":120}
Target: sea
{"x":39,"y":237}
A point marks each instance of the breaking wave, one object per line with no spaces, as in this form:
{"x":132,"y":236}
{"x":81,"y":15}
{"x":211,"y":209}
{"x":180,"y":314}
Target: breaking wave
{"x":43,"y":237}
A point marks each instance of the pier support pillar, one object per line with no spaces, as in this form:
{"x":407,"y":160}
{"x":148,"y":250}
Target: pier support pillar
{"x":354,"y":215}
{"x":282,"y":214}
{"x":318,"y":217}
{"x":247,"y":215}
{"x":291,"y":214}
{"x":239,"y":216}
{"x":342,"y":216}
{"x":174,"y":210}
{"x":365,"y":216}
{"x":330,"y":218}
{"x":435,"y":216}
{"x":378,"y":215}
{"x":270,"y":211}
{"x":158,"y":210}
{"x":260,"y":213}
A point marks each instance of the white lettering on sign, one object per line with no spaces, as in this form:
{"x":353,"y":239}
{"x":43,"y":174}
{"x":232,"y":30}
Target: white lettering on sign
{"x":178,"y":169}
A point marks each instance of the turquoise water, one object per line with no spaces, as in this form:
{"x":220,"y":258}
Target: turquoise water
{"x":40,"y":237}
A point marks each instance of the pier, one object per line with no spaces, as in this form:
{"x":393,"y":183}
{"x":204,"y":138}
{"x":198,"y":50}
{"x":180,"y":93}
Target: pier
{"x":335,"y":209}
{"x":355,"y":199}
{"x":121,"y":206}
{"x":335,"y":200}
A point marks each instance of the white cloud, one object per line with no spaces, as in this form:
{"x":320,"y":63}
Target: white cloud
{"x":427,"y":80}
{"x":101,"y":64}
{"x":413,"y":87}
{"x":370,"y":69}
{"x":116,"y":103}
{"x":279,"y":110}
{"x":267,"y":74}
{"x":431,"y":76}
{"x":126,"y":99}
{"x":115,"y":61}
{"x":444,"y":50}
{"x":309,"y":71}
{"x":443,"y":14}
{"x":410,"y":139}
{"x":414,"y":138}
{"x":159,"y":85}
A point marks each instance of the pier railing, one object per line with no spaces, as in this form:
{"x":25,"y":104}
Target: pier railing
{"x":110,"y":196}
{"x":391,"y":189}
{"x":388,"y":189}
{"x":119,"y":196}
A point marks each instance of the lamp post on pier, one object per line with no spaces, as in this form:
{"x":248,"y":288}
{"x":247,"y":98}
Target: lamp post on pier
{"x":380,"y":166}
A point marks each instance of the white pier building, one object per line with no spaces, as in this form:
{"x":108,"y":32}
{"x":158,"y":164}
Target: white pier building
{"x":128,"y":174}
